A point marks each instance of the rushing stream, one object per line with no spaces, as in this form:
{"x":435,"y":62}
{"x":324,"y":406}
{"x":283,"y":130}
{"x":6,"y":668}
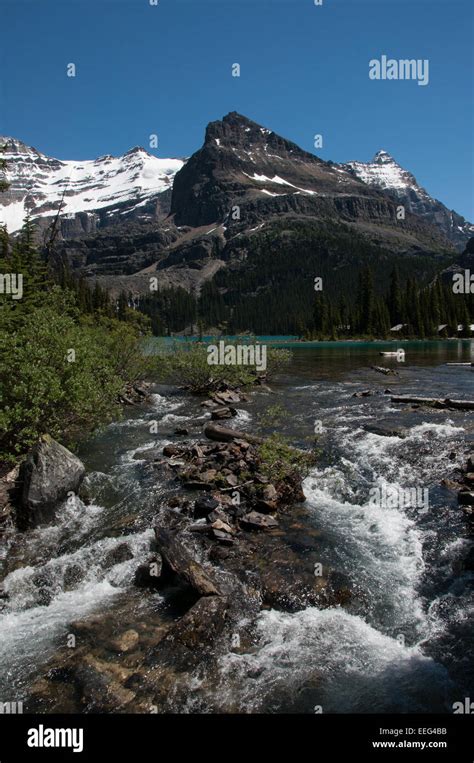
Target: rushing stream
{"x":403,"y":644}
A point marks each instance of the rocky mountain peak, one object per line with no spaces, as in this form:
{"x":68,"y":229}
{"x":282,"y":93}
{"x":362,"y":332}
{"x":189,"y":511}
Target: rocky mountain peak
{"x":235,"y":129}
{"x":383,"y":157}
{"x":242,"y":162}
{"x":384,"y":173}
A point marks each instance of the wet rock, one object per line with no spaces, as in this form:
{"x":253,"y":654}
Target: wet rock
{"x":224,"y":499}
{"x":125,"y":642}
{"x":226,"y":434}
{"x":223,"y":413}
{"x":257,"y":521}
{"x":181,"y":431}
{"x":269,"y":503}
{"x":363,"y":393}
{"x":222,"y":536}
{"x":385,"y":431}
{"x":386,"y":371}
{"x":84,"y":494}
{"x":151,"y":454}
{"x":148,"y":574}
{"x":204,"y":505}
{"x":199,"y":628}
{"x":8,"y":493}
{"x":201,"y":528}
{"x":218,"y":553}
{"x":99,"y":686}
{"x":226,"y":396}
{"x":73,"y":575}
{"x":270,"y":493}
{"x":172,"y":450}
{"x":196,"y":484}
{"x":467,"y":563}
{"x":219,"y":524}
{"x":178,"y":502}
{"x":217,"y":514}
{"x":119,"y":554}
{"x":208,"y":476}
{"x":48,"y":474}
{"x":466,"y":497}
{"x":179,"y":560}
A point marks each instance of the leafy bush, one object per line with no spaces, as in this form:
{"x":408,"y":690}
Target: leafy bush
{"x":62,"y":376}
{"x":187,"y":365}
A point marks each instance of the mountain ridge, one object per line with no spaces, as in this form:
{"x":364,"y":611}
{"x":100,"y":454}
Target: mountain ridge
{"x":386,"y":174}
{"x":90,"y":193}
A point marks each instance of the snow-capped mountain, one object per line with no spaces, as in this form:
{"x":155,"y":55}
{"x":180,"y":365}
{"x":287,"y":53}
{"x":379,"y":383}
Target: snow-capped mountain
{"x":385,"y":173}
{"x":104,"y":190}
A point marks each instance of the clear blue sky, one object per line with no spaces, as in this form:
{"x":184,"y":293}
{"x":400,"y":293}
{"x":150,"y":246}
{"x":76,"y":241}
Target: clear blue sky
{"x":304,"y":70}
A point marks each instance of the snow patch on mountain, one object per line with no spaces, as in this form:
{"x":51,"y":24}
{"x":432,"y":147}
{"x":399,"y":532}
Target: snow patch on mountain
{"x":384,"y":173}
{"x":40,"y":185}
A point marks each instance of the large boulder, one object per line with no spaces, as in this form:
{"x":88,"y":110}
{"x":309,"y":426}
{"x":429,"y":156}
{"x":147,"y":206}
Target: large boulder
{"x":49,"y":472}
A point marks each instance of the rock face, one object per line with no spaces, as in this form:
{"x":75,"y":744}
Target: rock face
{"x":265,"y":175}
{"x":97,"y":193}
{"x":246,"y":187}
{"x":48,"y":473}
{"x":385,"y":173}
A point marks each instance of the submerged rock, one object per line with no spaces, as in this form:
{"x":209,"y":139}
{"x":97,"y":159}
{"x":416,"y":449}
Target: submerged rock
{"x":125,"y":642}
{"x":257,"y":521}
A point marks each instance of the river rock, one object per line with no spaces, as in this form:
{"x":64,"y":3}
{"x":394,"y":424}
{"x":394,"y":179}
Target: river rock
{"x":257,"y":521}
{"x":219,"y":524}
{"x":222,"y":536}
{"x":125,"y":642}
{"x":99,"y":686}
{"x":200,"y":626}
{"x":148,"y":575}
{"x":204,"y":505}
{"x":385,"y":432}
{"x":363,"y":393}
{"x":117,"y":555}
{"x":223,"y":413}
{"x":49,"y":472}
{"x":217,"y":514}
{"x":172,"y":450}
{"x":178,"y":560}
{"x":226,"y":396}
{"x":466,"y":497}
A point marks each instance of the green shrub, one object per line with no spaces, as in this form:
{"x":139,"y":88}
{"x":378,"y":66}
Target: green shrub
{"x":62,"y":376}
{"x":187,"y":364}
{"x":279,"y":460}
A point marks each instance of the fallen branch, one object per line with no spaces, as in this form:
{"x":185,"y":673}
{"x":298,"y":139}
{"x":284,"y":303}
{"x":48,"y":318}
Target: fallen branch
{"x":226,"y":434}
{"x":467,"y":405}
